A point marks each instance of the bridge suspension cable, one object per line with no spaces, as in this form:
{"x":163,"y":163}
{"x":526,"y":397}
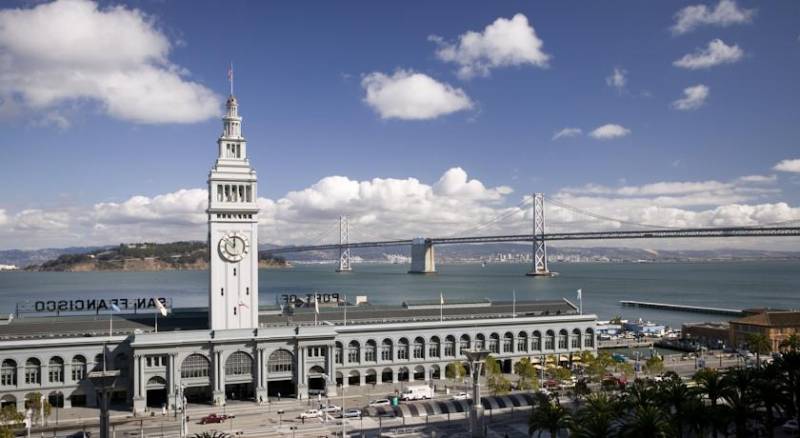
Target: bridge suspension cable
{"x":497,"y":218}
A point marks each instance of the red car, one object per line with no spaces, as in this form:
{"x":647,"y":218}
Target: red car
{"x":214,"y":418}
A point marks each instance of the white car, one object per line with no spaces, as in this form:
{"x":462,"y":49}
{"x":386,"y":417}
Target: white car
{"x":462,"y":396}
{"x":791,"y":426}
{"x":352,"y":413}
{"x":380,"y":402}
{"x":331,"y":409}
{"x":311,"y":413}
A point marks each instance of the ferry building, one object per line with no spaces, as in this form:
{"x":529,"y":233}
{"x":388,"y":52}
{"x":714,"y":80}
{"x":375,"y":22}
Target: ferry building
{"x":237,"y":350}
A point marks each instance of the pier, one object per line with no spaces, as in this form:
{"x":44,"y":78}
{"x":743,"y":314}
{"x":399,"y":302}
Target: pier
{"x":683,"y":308}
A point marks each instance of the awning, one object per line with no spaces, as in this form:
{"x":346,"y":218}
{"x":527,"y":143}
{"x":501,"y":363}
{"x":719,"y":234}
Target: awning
{"x":563,"y":358}
{"x":444,"y":407}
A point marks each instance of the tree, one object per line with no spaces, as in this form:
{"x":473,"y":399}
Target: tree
{"x":739,"y":398}
{"x":455,"y":370}
{"x":710,"y":384}
{"x":597,"y":418}
{"x":34,"y":401}
{"x":676,"y":396}
{"x":772,"y":394}
{"x":788,"y":365}
{"x":596,"y":367}
{"x":212,"y":434}
{"x":646,"y":421}
{"x":792,"y":343}
{"x":561,"y":373}
{"x":498,"y":384}
{"x":654,"y":365}
{"x":527,"y":374}
{"x":548,"y":415}
{"x":759,"y":344}
{"x":492,"y":366}
{"x":10,"y":421}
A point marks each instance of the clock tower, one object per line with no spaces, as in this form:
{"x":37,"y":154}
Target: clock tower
{"x":232,"y":230}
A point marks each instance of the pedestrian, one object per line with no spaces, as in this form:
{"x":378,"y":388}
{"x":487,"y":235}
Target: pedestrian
{"x":279,"y":396}
{"x":303,"y":420}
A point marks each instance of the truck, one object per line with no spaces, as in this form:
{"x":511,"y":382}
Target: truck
{"x":420,"y":392}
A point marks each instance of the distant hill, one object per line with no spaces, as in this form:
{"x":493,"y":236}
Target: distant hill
{"x":23,"y":258}
{"x":141,"y":257}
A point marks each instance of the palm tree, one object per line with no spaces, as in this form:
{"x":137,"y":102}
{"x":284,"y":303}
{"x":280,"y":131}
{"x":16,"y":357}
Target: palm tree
{"x":759,"y":344}
{"x":676,"y":396}
{"x":769,"y":389}
{"x":788,"y":365}
{"x":711,"y":385}
{"x":646,"y":421}
{"x":792,"y":343}
{"x":596,"y":419}
{"x":548,"y":415}
{"x":740,"y":398}
{"x":696,"y":416}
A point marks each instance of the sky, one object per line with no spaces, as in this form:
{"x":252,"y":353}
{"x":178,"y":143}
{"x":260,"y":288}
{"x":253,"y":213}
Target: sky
{"x":411,"y":118}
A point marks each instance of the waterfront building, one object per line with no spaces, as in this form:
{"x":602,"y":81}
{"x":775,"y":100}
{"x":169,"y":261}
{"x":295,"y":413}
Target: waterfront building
{"x":776,"y":325}
{"x":236,"y":349}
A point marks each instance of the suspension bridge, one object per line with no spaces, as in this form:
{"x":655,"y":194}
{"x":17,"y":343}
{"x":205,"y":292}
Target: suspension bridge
{"x":423,"y":255}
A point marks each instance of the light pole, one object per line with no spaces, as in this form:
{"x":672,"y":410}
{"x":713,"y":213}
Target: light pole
{"x":476,"y":360}
{"x":104,"y":382}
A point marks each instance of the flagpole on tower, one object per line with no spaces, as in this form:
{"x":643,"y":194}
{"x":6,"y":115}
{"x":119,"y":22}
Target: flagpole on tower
{"x":230,"y":76}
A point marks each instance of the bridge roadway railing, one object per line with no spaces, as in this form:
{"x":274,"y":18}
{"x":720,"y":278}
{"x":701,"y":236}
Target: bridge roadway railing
{"x":596,"y":235}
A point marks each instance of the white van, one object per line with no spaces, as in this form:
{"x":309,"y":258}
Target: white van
{"x":417,"y":393}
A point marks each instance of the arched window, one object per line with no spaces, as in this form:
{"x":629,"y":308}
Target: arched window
{"x":33,"y":371}
{"x":550,"y":340}
{"x":386,"y":349}
{"x":354,"y":352}
{"x":402,"y":349}
{"x":370,"y":351}
{"x":450,"y":346}
{"x":522,"y":342}
{"x":419,"y":348}
{"x":536,"y":341}
{"x":463,"y":344}
{"x":562,"y":339}
{"x":239,"y":364}
{"x":589,"y":338}
{"x":339,"y":353}
{"x":78,"y":368}
{"x":99,"y":359}
{"x":55,"y":370}
{"x":195,"y":366}
{"x":433,"y":347}
{"x":494,"y":343}
{"x":280,"y":361}
{"x":575,"y":342}
{"x":508,"y":343}
{"x":8,"y":373}
{"x":480,"y":341}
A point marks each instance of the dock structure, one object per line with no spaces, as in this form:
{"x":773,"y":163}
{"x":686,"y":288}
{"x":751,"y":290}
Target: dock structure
{"x":683,"y":308}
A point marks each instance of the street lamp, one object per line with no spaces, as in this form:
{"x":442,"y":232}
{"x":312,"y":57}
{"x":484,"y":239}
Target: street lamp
{"x":104,"y":382}
{"x":476,"y":360}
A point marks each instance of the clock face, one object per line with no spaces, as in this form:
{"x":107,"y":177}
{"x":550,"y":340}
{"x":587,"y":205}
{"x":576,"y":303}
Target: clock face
{"x":233,"y":247}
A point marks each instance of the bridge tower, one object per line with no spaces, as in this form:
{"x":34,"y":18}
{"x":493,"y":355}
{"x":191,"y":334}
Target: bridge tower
{"x":344,"y":248}
{"x":540,"y":268}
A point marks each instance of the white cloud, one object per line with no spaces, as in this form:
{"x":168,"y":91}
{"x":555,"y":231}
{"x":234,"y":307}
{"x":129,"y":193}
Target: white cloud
{"x":412,"y":96}
{"x":567,"y":132}
{"x":693,"y":97}
{"x":759,"y":179}
{"x":716,"y":53}
{"x":617,"y":79}
{"x":726,"y":13}
{"x":506,"y":42}
{"x":789,"y":165}
{"x":68,"y":51}
{"x":609,"y":131}
{"x":392,"y":208}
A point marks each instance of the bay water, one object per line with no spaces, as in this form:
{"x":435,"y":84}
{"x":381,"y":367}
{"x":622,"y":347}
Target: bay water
{"x":735,"y":285}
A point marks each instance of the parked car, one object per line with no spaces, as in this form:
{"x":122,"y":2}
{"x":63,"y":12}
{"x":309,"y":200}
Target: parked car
{"x":380,"y":402}
{"x":352,"y":413}
{"x":311,"y":413}
{"x":80,"y":435}
{"x":331,"y":409}
{"x":462,"y":396}
{"x":791,"y":426}
{"x":420,"y":392}
{"x":214,"y":418}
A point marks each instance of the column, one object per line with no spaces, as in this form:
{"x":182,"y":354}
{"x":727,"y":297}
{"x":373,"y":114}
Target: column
{"x":302,"y":383}
{"x":139,"y":401}
{"x":219,"y":379}
{"x":330,"y":368}
{"x":171,"y":390}
{"x":261,"y":377}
